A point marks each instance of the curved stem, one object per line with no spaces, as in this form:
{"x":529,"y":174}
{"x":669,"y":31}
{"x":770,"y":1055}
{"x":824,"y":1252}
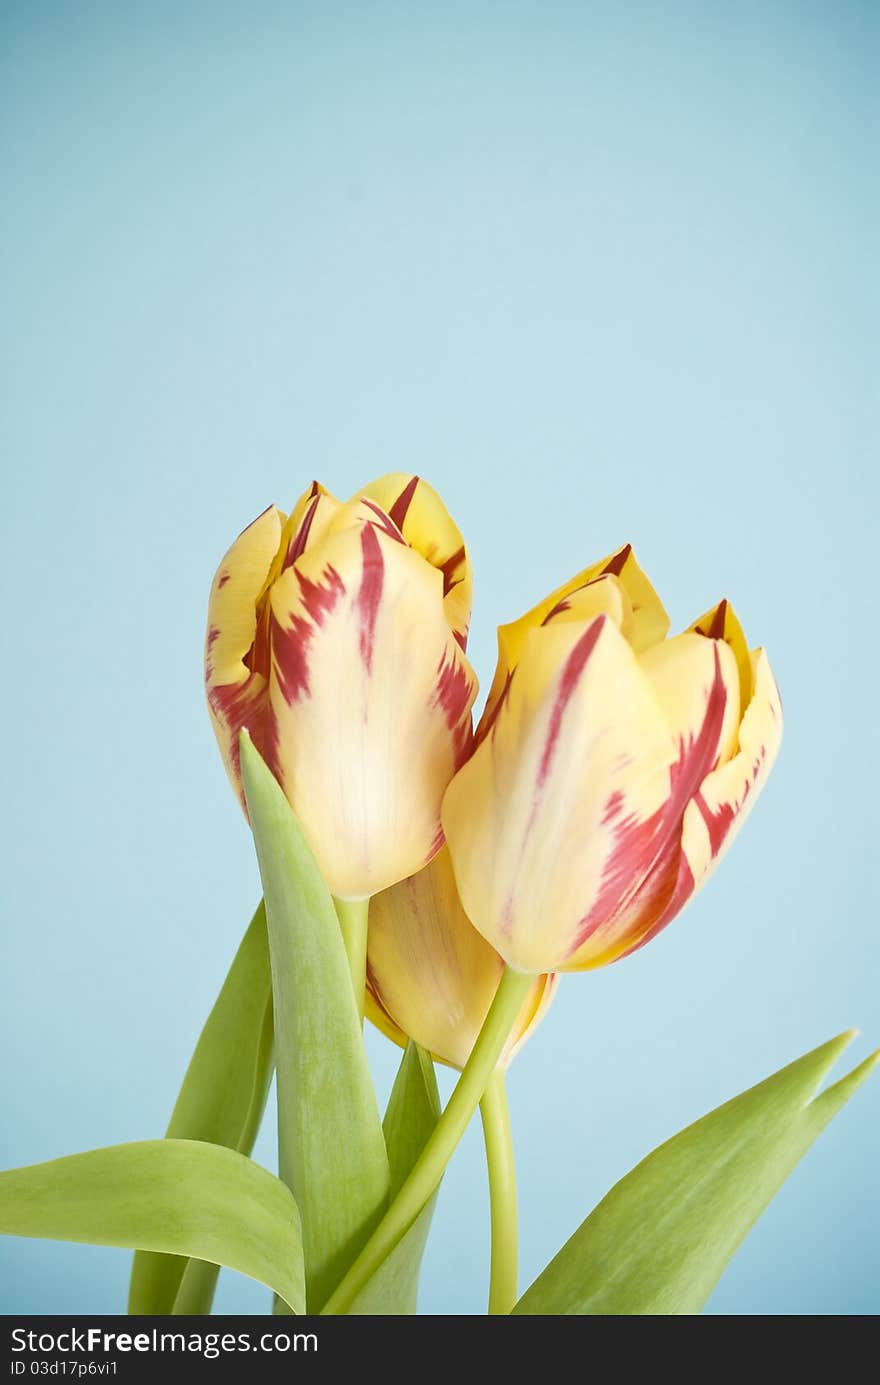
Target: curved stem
{"x":431,"y":1163}
{"x":502,"y":1195}
{"x":353,"y":915}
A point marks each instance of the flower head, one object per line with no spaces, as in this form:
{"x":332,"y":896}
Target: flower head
{"x":336,"y":636}
{"x":613,"y":767}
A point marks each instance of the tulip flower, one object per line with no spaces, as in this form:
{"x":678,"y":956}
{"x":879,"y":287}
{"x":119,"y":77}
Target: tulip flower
{"x":613,"y":768}
{"x":431,"y":976}
{"x":336,"y":639}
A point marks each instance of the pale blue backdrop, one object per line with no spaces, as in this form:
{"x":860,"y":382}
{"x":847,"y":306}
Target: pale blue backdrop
{"x":602,"y":272}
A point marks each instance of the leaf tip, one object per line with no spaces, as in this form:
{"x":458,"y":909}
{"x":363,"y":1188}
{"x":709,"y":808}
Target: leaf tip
{"x":834,"y":1097}
{"x":833,"y":1049}
{"x":249,"y":758}
{"x":864,"y":1069}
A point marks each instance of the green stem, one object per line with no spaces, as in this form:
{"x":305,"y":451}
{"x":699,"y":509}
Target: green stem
{"x":197,"y":1286}
{"x":502,"y":1195}
{"x":353,"y":915}
{"x":431,"y":1163}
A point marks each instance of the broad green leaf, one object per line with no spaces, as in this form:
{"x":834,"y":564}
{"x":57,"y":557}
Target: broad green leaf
{"x":179,"y":1197}
{"x":221,"y":1101}
{"x":413,"y":1111}
{"x":661,"y":1239}
{"x":330,"y":1143}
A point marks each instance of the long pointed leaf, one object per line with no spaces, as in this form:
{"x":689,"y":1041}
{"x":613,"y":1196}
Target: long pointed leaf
{"x":661,"y":1239}
{"x":178,"y":1197}
{"x":331,"y":1148}
{"x":221,"y":1101}
{"x":413,"y":1111}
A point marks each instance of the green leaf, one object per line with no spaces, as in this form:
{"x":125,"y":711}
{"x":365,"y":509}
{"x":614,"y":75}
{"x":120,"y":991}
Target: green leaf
{"x":180,"y":1197}
{"x":221,"y":1101}
{"x":413,"y":1111}
{"x":661,"y":1239}
{"x":331,"y":1148}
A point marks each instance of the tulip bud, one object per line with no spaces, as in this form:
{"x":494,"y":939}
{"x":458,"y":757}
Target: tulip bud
{"x":336,"y":638}
{"x":431,"y":977}
{"x":613,"y":768}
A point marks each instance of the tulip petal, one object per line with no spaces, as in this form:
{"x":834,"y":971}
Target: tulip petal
{"x":649,"y":622}
{"x":560,"y":811}
{"x":720,"y":622}
{"x":537,"y":1003}
{"x":641,"y":616}
{"x":236,"y":692}
{"x":430,"y":975}
{"x":309,"y":521}
{"x":719,"y":807}
{"x":427,"y":526}
{"x":369,"y":698}
{"x":312,"y":515}
{"x":602,"y":595}
{"x":429,"y":971}
{"x":696,"y":683}
{"x":726,"y":797}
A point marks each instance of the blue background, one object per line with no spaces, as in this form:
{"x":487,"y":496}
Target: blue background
{"x":602,"y":273}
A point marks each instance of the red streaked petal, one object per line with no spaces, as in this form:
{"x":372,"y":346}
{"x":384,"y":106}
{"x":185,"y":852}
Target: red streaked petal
{"x":236,"y":691}
{"x":561,"y":805}
{"x":291,"y":638}
{"x":710,"y":820}
{"x":696,"y":682}
{"x":370,"y":702}
{"x":418,"y":513}
{"x":727,"y":795}
{"x":616,"y":585}
{"x":720,"y":623}
{"x":399,"y":509}
{"x":370,"y":592}
{"x":572,"y":671}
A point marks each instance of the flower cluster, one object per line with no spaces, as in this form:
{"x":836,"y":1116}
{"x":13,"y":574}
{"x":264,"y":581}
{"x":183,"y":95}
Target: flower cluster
{"x":609,"y":771}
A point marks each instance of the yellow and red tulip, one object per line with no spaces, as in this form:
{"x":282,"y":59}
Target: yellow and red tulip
{"x":613,"y":767}
{"x":336,"y":638}
{"x":431,"y":976}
